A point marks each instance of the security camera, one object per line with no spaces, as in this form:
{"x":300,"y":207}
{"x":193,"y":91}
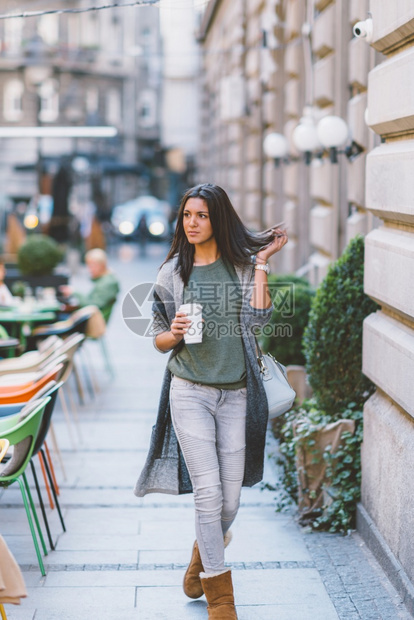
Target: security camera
{"x":363,"y":30}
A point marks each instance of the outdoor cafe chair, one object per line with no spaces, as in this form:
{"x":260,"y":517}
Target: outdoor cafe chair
{"x":29,"y":361}
{"x":44,"y":392}
{"x":14,"y":382}
{"x":12,"y":402}
{"x":36,"y":362}
{"x":21,"y":380}
{"x":76,"y":322}
{"x":45,"y":461}
{"x":7,"y":343}
{"x":39,"y":449}
{"x":69,"y":347}
{"x":22,"y":435}
{"x":8,"y":410}
{"x":25,"y":394}
{"x":106,"y":313}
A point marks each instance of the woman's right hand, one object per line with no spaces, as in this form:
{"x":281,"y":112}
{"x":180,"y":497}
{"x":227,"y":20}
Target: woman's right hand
{"x":169,"y":339}
{"x":180,"y":325}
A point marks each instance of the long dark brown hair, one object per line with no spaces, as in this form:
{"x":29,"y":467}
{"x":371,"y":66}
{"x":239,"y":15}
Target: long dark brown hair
{"x":235,"y":243}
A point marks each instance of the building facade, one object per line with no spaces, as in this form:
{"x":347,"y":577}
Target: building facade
{"x":269,"y":66}
{"x":265,"y":65}
{"x":180,"y":94}
{"x":386,"y":517}
{"x":93,"y":68}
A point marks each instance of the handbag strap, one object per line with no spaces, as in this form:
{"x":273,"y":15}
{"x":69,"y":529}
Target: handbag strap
{"x":259,"y":352}
{"x":259,"y":357}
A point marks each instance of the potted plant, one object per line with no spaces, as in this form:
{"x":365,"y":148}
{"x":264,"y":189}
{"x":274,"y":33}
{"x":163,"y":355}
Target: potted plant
{"x":321,"y":439}
{"x":37,"y":260}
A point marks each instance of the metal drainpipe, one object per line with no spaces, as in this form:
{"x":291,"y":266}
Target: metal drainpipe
{"x":341,"y":105}
{"x":261,"y":135}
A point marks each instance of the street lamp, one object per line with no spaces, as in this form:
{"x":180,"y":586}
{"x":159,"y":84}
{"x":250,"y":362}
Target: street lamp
{"x":275,"y":146}
{"x":333,"y":132}
{"x":305,"y":136}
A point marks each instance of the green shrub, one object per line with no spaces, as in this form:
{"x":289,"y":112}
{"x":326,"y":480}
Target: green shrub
{"x":333,"y":337}
{"x":282,"y":337}
{"x":38,"y":255}
{"x":333,"y":350}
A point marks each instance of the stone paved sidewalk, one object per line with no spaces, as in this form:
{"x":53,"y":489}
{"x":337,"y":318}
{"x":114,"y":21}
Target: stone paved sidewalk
{"x":124,"y":558}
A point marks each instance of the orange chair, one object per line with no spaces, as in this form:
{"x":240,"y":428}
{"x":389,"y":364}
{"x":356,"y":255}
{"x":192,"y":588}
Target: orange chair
{"x":15,"y":382}
{"x":23,"y":394}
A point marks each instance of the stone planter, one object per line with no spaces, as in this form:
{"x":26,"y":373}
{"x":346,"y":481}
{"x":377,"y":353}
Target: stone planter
{"x":59,"y":276}
{"x":297,"y":378}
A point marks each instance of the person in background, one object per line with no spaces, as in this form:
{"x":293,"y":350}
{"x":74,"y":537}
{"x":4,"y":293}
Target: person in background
{"x":106,"y":286}
{"x":6,"y":298}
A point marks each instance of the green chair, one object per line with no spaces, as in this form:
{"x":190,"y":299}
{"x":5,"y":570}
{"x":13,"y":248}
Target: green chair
{"x":106,"y":313}
{"x":12,"y":344}
{"x":3,"y":332}
{"x":22,"y":435}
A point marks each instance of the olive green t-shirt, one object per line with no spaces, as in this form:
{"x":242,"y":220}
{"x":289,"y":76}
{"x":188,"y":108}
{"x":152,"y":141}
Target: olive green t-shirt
{"x":218,"y":360}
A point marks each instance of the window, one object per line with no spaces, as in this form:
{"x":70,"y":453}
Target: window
{"x":113,"y":107}
{"x":146,"y":36}
{"x":13,"y":30}
{"x":49,"y":101}
{"x":147,"y":109}
{"x":48,"y":28}
{"x":73,"y":31}
{"x":90,"y":30}
{"x":12,"y":100}
{"x":115,"y":37}
{"x":92,"y":100}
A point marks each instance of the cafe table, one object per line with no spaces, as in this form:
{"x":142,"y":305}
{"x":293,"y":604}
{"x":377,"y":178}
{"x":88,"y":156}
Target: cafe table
{"x":20,"y":323}
{"x":8,"y":346}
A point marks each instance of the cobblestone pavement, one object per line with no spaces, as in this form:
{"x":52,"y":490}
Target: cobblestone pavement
{"x":353,"y":579}
{"x":124,"y":558}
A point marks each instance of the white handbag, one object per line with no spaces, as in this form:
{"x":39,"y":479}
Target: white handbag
{"x":280,"y":395}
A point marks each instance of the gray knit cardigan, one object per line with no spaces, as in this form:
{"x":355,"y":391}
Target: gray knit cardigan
{"x":165,"y":470}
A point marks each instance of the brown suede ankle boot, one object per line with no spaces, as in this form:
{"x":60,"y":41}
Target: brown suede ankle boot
{"x":219,"y":594}
{"x":192,"y":584}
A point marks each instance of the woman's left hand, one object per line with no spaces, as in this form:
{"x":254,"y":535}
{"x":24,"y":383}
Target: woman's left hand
{"x":280,"y":239}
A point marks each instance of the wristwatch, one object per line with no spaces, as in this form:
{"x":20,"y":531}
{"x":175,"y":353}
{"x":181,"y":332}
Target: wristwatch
{"x":264,"y":267}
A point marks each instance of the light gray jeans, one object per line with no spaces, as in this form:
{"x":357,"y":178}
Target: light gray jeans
{"x":210,"y":426}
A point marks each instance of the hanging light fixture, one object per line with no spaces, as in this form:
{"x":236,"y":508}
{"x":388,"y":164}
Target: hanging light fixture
{"x":305,"y":137}
{"x":333,"y":132}
{"x":275,"y":146}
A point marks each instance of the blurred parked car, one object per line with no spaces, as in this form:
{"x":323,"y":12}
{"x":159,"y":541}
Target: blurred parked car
{"x":145,"y":216}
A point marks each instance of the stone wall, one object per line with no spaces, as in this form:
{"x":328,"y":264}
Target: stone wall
{"x":388,"y":353}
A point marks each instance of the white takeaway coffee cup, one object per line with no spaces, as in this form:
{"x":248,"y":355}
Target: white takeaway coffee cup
{"x":195,"y":330}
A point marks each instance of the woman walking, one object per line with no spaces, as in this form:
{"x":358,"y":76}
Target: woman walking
{"x":210,"y":432}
